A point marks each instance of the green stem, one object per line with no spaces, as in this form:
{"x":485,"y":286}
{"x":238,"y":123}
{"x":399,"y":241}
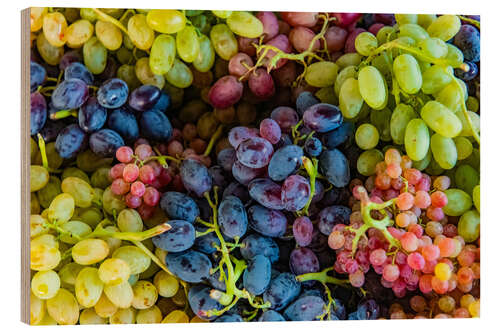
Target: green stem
{"x":43,"y":152}
{"x":64,"y":114}
{"x":322,"y":277}
{"x":312,"y":171}
{"x":475,"y":23}
{"x":110,"y":19}
{"x":99,"y":232}
{"x":153,"y":257}
{"x":213,"y":139}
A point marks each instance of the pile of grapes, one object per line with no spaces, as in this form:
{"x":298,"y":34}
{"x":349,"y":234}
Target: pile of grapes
{"x":199,"y":166}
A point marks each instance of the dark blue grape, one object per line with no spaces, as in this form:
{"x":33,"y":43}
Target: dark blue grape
{"x":71,"y":140}
{"x":305,"y":100}
{"x":237,"y":190}
{"x":295,"y":193}
{"x":257,"y":275}
{"x":271,"y":315}
{"x":200,"y":301}
{"x":91,"y":115}
{"x":319,"y":191}
{"x":68,"y":58}
{"x":70,"y":94}
{"x":303,"y":260}
{"x":124,"y":123}
{"x":218,"y":176}
{"x":255,"y":244}
{"x":195,"y":177}
{"x":305,"y":308}
{"x":268,"y":222}
{"x":216,"y":281}
{"x":266,"y":192}
{"x":284,"y":162}
{"x":469,"y":75}
{"x":179,"y":206}
{"x":468,"y":40}
{"x":229,"y":318}
{"x":285,"y":140}
{"x":331,"y":216}
{"x":181,"y":237}
{"x":232,"y":217}
{"x":313,"y":146}
{"x":51,"y":129}
{"x":322,"y":117}
{"x":38,"y":74}
{"x":335,"y":167}
{"x":226,"y":158}
{"x":155,"y":126}
{"x":113,"y":93}
{"x":38,"y":112}
{"x":335,"y":196}
{"x":338,"y":136}
{"x":338,"y":309}
{"x":144,"y":98}
{"x":368,"y":310}
{"x":190,"y":266}
{"x":254,"y":153}
{"x":282,"y":291}
{"x":105,"y":142}
{"x":206,"y":242}
{"x":163,"y":103}
{"x":77,"y":70}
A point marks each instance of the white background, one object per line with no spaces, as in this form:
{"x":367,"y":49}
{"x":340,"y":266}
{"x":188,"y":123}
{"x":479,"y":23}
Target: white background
{"x":490,"y":124}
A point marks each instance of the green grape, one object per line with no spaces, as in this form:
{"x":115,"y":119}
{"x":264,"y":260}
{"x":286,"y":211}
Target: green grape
{"x":327,"y":95}
{"x":400,"y":118}
{"x":45,"y":284}
{"x":381,"y":62}
{"x":39,"y":177}
{"x":34,"y":150}
{"x":100,"y":178}
{"x":202,"y":23}
{"x":366,"y":136}
{"x":54,"y":28}
{"x":123,"y":316}
{"x":454,"y":55}
{"x":78,"y":33}
{"x":75,"y":172}
{"x":166,"y":21}
{"x":120,"y":295}
{"x":245,"y":24}
{"x":444,"y":151}
{"x":450,"y":97}
{"x":53,"y":157}
{"x":408,"y":73}
{"x":109,"y":35}
{"x":89,"y":251}
{"x":476,"y":197}
{"x":49,"y":191}
{"x":162,"y":54}
{"x":152,"y":269}
{"x":91,"y":215}
{"x":466,"y":129}
{"x":445,"y":27}
{"x":223,"y":41}
{"x":114,"y":12}
{"x":406,"y":18}
{"x":88,"y":287}
{"x":47,"y":321}
{"x":372,"y":87}
{"x":469,"y":226}
{"x":385,"y":33}
{"x":464,"y":87}
{"x":350,"y":100}
{"x":466,"y":178}
{"x":166,"y":284}
{"x":344,"y":74}
{"x":193,"y":12}
{"x":79,"y":189}
{"x":368,"y":160}
{"x":150,"y":315}
{"x":140,"y":32}
{"x":458,"y":202}
{"x":127,"y":74}
{"x":414,"y":31}
{"x":104,"y":307}
{"x":90,"y":317}
{"x":464,"y":147}
{"x":440,"y":119}
{"x":321,"y":74}
{"x":474,"y":159}
{"x":207,"y":125}
{"x":94,"y":55}
{"x":76,"y":230}
{"x":424,"y":20}
{"x":68,"y":274}
{"x":365,"y":43}
{"x":206,"y":56}
{"x":34,"y":204}
{"x":188,"y":44}
{"x":179,"y":75}
{"x":348,"y":59}
{"x":424,"y":66}
{"x":472,"y":104}
{"x":145,"y":295}
{"x":433,"y":47}
{"x":146,"y":76}
{"x":114,"y":271}
{"x":435,"y":78}
{"x":381,"y":119}
{"x":112,"y":202}
{"x":423,"y":163}
{"x":63,"y":308}
{"x":37,"y":227}
{"x":88,"y":14}
{"x":44,"y":251}
{"x":124,"y":56}
{"x":224,"y":14}
{"x":129,"y":220}
{"x":50,"y":54}
{"x":417,"y":139}
{"x":61,"y":208}
{"x":137,"y":260}
{"x":37,"y":309}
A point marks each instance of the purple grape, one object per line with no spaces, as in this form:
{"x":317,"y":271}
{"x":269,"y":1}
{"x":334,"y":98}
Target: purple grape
{"x":91,"y":115}
{"x":285,"y":140}
{"x":322,"y":117}
{"x":306,"y":308}
{"x":77,"y":70}
{"x":195,"y":177}
{"x":282,"y":290}
{"x":163,"y":103}
{"x":270,"y":23}
{"x":469,"y":75}
{"x":200,"y":301}
{"x":124,"y":123}
{"x":261,"y":84}
{"x":68,"y":58}
{"x":270,"y":130}
{"x":51,"y":129}
{"x":255,"y":244}
{"x":236,"y":67}
{"x":226,"y":158}
{"x":319,"y":191}
{"x":255,"y":152}
{"x":190,"y":266}
{"x":237,"y":190}
{"x":313,"y":146}
{"x":387,"y":19}
{"x":257,"y":275}
{"x":181,"y":237}
{"x":38,"y":74}
{"x":335,"y":167}
{"x":295,"y":193}
{"x":284,"y":162}
{"x":468,"y":40}
{"x":144,"y":98}
{"x":155,"y":126}
{"x":105,"y":142}
{"x":70,"y":94}
{"x":305,"y":100}
{"x":266,"y":192}
{"x":71,"y":140}
{"x":239,"y":134}
{"x":303,"y":230}
{"x":232,"y":217}
{"x":268,"y":222}
{"x":38,"y":112}
{"x":244,"y":174}
{"x":109,"y":71}
{"x":218,"y":176}
{"x":179,"y":206}
{"x":286,"y":117}
{"x":225,"y":92}
{"x":112,"y":93}
{"x":303,"y":260}
{"x":331,"y":216}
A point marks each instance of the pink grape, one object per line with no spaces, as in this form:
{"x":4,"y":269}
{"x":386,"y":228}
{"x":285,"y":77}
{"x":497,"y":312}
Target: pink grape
{"x":335,"y":38}
{"x":391,"y":272}
{"x":124,"y":154}
{"x":422,"y":199}
{"x":116,"y":170}
{"x":151,"y":197}
{"x":137,"y":188}
{"x":225,"y":92}
{"x":143,"y":151}
{"x":430,"y":252}
{"x":270,"y":130}
{"x":120,"y":186}
{"x":357,"y":279}
{"x":130,"y":172}
{"x":416,"y":261}
{"x":146,"y":174}
{"x":301,"y":37}
{"x":270,"y":23}
{"x":236,"y":66}
{"x":409,"y":242}
{"x":261,"y":84}
{"x":305,"y":19}
{"x":377,"y":257}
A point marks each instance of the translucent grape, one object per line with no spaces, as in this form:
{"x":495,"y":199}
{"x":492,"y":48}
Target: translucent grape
{"x":367,"y":136}
{"x":39,"y":177}
{"x":135,"y":258}
{"x":45,"y":284}
{"x":350,"y":99}
{"x":206,"y":55}
{"x":54,"y":28}
{"x":179,"y":75}
{"x":188,"y":45}
{"x":114,"y":271}
{"x":50,"y":54}
{"x":94,"y":55}
{"x":417,"y":139}
{"x":223,"y":41}
{"x":368,"y":160}
{"x":435,"y":78}
{"x":63,"y":308}
{"x":365,"y":43}
{"x":440,"y":119}
{"x":88,"y":287}
{"x":140,"y":32}
{"x":444,"y":151}
{"x":407,"y":73}
{"x":245,"y":24}
{"x":166,"y":21}
{"x":109,"y":35}
{"x":121,"y":295}
{"x":321,"y":74}
{"x":444,"y":27}
{"x":415,"y":31}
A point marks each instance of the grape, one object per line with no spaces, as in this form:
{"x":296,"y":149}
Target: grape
{"x":181,"y":237}
{"x":49,"y":53}
{"x":124,"y":123}
{"x":414,"y":31}
{"x":244,"y":174}
{"x":166,"y":21}
{"x":321,"y":74}
{"x":435,"y":78}
{"x":331,"y":216}
{"x":146,"y":76}
{"x":444,"y":151}
{"x":70,"y":94}
{"x":261,"y":84}
{"x":280,"y":42}
{"x":257,"y":275}
{"x":444,"y":27}
{"x":295,"y":192}
{"x":94,"y":55}
{"x":303,"y":260}
{"x":206,"y":55}
{"x":114,"y":271}
{"x":268,"y":222}
{"x":469,"y":226}
{"x":156,"y":126}
{"x":223,"y":41}
{"x":38,"y":112}
{"x":284,"y":162}
{"x":417,"y":139}
{"x":39,"y":177}
{"x":225,"y":92}
{"x":365,"y":43}
{"x":313,"y":147}
{"x":466,"y":178}
{"x":466,"y":128}
{"x":335,"y":167}
{"x":45,"y":284}
{"x":322,"y":117}
{"x":179,"y":206}
{"x":90,"y":251}
{"x":350,"y":99}
{"x":367,"y":136}
{"x":135,"y":258}
{"x":77,"y":70}
{"x":282,"y":290}
{"x":144,"y":98}
{"x":269,"y":23}
{"x":271,"y":315}
{"x":200,"y":301}
{"x":301,"y":37}
{"x":44,"y":253}
{"x":232,"y":217}
{"x":71,"y":140}
{"x":245,"y":24}
{"x":468,"y":40}
{"x":145,"y":295}
{"x":105,"y":142}
{"x":179,"y":75}
{"x":440,"y":119}
{"x":206,"y":243}
{"x":112,"y":93}
{"x":304,"y":101}
{"x":254,"y":152}
{"x":236,"y":67}
{"x":195,"y":177}
{"x":458,"y":202}
{"x":190,"y":266}
{"x":255,"y":244}
{"x":54,"y":28}
{"x":408,"y":73}
{"x":305,"y":308}
{"x":91,"y":116}
{"x":63,"y":308}
{"x":79,"y":189}
{"x":372,"y":87}
{"x":400,"y":118}
{"x":38,"y":74}
{"x":338,"y":136}
{"x":88,"y":287}
{"x":303,"y":231}
{"x":266,"y":192}
{"x":286,"y":118}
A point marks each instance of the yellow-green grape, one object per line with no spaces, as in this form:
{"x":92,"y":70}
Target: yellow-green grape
{"x":469,"y":226}
{"x":79,"y":189}
{"x":176,"y":316}
{"x":127,"y":74}
{"x":384,"y":34}
{"x":464,"y":147}
{"x":433,"y":47}
{"x":45,"y":284}
{"x":407,"y":72}
{"x":113,"y":243}
{"x":327,"y":95}
{"x":47,"y":321}
{"x":406,"y":18}
{"x":95,"y":55}
{"x":440,"y":119}
{"x":114,"y":271}
{"x":206,"y":56}
{"x":475,"y":120}
{"x":68,"y":274}
{"x":223,"y":41}
{"x":78,"y":33}
{"x":75,"y":172}
{"x":112,"y":202}
{"x":75,"y":231}
{"x":444,"y":27}
{"x":466,"y":178}
{"x":61,"y":208}
{"x":458,"y":202}
{"x":476,"y":197}
{"x":223,"y":14}
{"x":136,"y":259}
{"x":348,"y":59}
{"x":454,"y":55}
{"x":150,"y":315}
{"x":39,"y":177}
{"x":120,"y":295}
{"x":365,"y":43}
{"x":368,"y":160}
{"x":50,"y":54}
{"x":63,"y":307}
{"x":424,"y":20}
{"x":54,"y":28}
{"x":381,"y":119}
{"x":166,"y":21}
{"x":451,"y":97}
{"x":104,"y":307}
{"x":88,"y":14}
{"x":417,"y":139}
{"x":366,"y":136}
{"x":109,"y":35}
{"x":34,"y":149}
{"x":91,"y":216}
{"x":90,"y":317}
{"x":414,"y":31}
{"x":400,"y":118}
{"x":162,"y":54}
{"x":166,"y":284}
{"x":188,"y":44}
{"x":123,"y":316}
{"x":140,"y":32}
{"x":89,"y":251}
{"x":129,"y":220}
{"x":146,"y":76}
{"x":37,"y":309}
{"x":344,"y":74}
{"x":350,"y":99}
{"x":161,"y":254}
{"x":113,"y":12}
{"x":88,"y":287}
{"x":124,"y":55}
{"x":179,"y":75}
{"x":145,"y":295}
{"x":372,"y":87}
{"x":207,"y":125}
{"x":34,"y":204}
{"x":88,"y":161}
{"x":245,"y":24}
{"x":37,"y":227}
{"x":472,"y":104}
{"x":54,"y":159}
{"x":36,"y":17}
{"x":100,"y":178}
{"x":435,"y":78}
{"x":423,"y":163}
{"x":444,"y":151}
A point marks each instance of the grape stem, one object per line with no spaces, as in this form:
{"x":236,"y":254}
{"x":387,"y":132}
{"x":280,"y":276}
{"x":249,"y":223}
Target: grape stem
{"x":110,"y":19}
{"x":475,"y":23}
{"x":312,"y":171}
{"x":322,"y":277}
{"x":43,"y":152}
{"x":61,"y":114}
{"x":213,"y":139}
{"x":100,"y":232}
